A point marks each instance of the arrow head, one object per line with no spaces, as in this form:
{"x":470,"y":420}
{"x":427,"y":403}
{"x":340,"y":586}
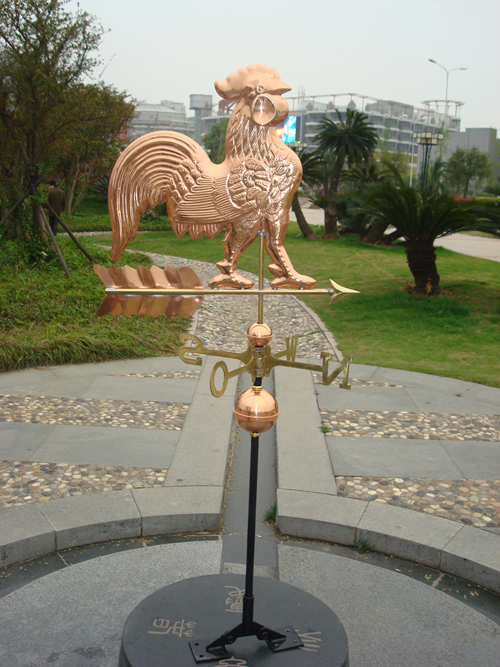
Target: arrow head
{"x":336,"y":291}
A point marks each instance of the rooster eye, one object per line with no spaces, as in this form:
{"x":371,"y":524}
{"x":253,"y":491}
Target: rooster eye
{"x":260,"y":89}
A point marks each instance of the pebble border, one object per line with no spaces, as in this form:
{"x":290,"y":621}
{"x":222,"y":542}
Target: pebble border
{"x":473,"y":502}
{"x":411,"y":425}
{"x":24,"y":483}
{"x":54,"y":410}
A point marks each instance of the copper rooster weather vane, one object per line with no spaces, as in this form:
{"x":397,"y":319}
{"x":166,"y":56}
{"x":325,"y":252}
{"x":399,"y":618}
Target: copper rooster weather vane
{"x":249,"y":195}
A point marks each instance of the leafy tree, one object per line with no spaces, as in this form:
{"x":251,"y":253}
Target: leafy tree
{"x":350,"y":141}
{"x":465,"y":166}
{"x":355,"y":220}
{"x":44,"y":53}
{"x":436,"y":178}
{"x":493,"y":189}
{"x":420,"y":218}
{"x":92,"y":145}
{"x":215,"y":141}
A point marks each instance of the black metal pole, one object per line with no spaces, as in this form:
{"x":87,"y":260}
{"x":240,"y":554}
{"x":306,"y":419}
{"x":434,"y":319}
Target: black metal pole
{"x":248,"y":599}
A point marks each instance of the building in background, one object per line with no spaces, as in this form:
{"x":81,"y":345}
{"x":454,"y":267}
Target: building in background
{"x":395,"y":122}
{"x":167,"y":115}
{"x":483,"y":138}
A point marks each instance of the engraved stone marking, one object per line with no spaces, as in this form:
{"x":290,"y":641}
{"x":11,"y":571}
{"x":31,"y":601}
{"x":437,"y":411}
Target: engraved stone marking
{"x":166,"y":627}
{"x":311,"y":641}
{"x":235,"y":599}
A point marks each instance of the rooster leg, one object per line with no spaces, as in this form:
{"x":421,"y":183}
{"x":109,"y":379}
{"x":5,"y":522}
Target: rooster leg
{"x":238,"y":237}
{"x":282,"y":267}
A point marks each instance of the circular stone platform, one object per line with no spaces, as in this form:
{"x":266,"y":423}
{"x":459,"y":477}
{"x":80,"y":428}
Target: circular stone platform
{"x":75,"y":617}
{"x":176,"y":623}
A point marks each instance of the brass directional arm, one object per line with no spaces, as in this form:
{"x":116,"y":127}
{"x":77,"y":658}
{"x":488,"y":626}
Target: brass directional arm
{"x":258,"y":361}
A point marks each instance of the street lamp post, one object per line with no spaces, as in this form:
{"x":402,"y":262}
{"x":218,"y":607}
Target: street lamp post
{"x":427,"y":140}
{"x":446,"y":96}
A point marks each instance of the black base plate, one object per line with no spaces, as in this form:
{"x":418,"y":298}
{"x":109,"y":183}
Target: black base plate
{"x":159,"y":630}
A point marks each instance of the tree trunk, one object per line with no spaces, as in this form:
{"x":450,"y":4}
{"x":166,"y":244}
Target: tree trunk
{"x":393,"y":236}
{"x":375,"y":232}
{"x":39,"y":221}
{"x":422,"y":263}
{"x":307,"y":231}
{"x":331,"y":230}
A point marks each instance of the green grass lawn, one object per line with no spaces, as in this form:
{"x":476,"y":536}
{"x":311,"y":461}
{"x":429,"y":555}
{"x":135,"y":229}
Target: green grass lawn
{"x":47,"y":319}
{"x":456,"y":334}
{"x":92,"y":216}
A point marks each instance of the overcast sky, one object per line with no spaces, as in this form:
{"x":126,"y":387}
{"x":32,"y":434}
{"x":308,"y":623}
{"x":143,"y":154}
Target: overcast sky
{"x":168,"y":49}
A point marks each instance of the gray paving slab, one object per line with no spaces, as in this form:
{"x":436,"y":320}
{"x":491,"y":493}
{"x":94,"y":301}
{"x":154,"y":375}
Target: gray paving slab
{"x":476,"y":460}
{"x":319,"y":516}
{"x":391,"y":399}
{"x":73,"y":387}
{"x":75,"y":617}
{"x":426,"y":381}
{"x":362,"y":371}
{"x":18,"y":441}
{"x":474,"y":555}
{"x":201,"y":454}
{"x":302,"y":455}
{"x":428,"y":400}
{"x":234,"y":551}
{"x":179,"y":510}
{"x":25,"y":534}
{"x":386,"y":457}
{"x":410,"y":535}
{"x":484,"y":394}
{"x":103,"y":445}
{"x":173,"y":390}
{"x":92,"y":517}
{"x":30,"y":376}
{"x":117,"y":367}
{"x":391,"y":619}
{"x":166,"y":365}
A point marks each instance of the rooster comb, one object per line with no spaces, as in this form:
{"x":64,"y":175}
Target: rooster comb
{"x":253,"y":75}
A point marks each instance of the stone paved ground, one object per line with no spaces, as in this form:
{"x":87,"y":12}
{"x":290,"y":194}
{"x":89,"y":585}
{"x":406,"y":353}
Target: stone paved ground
{"x":222,"y":322}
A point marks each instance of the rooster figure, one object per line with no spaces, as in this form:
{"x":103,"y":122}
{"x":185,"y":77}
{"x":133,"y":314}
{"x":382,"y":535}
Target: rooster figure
{"x":251,"y":190}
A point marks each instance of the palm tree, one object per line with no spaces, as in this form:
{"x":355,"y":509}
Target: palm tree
{"x":311,"y":174}
{"x":420,"y":218}
{"x":352,"y":140}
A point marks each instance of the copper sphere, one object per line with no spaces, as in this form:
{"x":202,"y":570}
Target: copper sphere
{"x":259,"y":334}
{"x":256,"y":410}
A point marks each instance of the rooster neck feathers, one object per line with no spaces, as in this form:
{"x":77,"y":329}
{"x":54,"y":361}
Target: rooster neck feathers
{"x":246,"y":139}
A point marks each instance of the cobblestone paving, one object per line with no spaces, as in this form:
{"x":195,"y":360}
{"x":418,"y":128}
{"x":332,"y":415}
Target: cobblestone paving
{"x":92,"y":412}
{"x":359,"y":383}
{"x":24,"y":483}
{"x":474,"y":502}
{"x":411,"y":425}
{"x":224,"y":320}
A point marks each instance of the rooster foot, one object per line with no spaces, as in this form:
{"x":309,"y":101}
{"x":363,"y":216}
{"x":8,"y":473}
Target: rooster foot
{"x":298,"y":281}
{"x":234,"y":280}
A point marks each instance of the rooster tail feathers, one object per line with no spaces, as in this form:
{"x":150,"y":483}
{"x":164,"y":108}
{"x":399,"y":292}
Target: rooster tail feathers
{"x":143,"y":177}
